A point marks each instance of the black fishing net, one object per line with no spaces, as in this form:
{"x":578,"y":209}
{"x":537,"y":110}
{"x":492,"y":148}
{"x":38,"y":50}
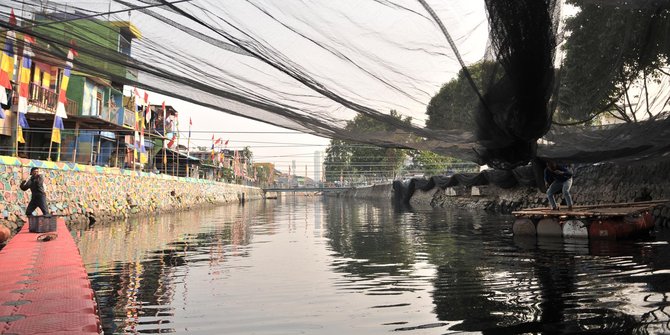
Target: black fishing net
{"x":494,"y":82}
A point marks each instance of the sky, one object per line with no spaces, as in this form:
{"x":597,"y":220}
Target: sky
{"x":406,"y":52}
{"x":382,"y":55}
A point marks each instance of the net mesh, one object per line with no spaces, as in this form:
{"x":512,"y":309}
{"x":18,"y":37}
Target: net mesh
{"x":493,"y":82}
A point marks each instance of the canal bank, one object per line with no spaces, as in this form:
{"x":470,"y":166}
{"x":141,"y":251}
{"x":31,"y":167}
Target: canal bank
{"x":507,"y":191}
{"x":81,"y":192}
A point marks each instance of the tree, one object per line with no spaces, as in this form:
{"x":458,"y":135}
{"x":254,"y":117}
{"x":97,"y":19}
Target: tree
{"x":245,"y":163}
{"x":609,"y":49}
{"x":263,"y":174}
{"x":430,"y":163}
{"x":337,"y":160}
{"x":454,"y":106}
{"x":348,"y":159}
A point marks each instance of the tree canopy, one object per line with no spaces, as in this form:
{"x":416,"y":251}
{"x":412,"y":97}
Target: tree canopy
{"x":454,"y":106}
{"x":348,"y":159}
{"x":605,"y":57}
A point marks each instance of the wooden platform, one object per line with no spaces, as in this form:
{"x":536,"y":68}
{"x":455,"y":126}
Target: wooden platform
{"x":603,"y":210}
{"x":44,"y":288}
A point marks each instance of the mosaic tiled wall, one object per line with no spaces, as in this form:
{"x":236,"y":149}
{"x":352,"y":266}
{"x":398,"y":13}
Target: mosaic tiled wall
{"x":79,"y":191}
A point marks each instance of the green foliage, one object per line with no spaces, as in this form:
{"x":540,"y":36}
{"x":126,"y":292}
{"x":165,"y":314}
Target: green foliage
{"x":247,"y":154}
{"x":607,"y":48}
{"x":348,"y":159}
{"x":337,"y":160}
{"x":227,"y":174}
{"x":429,"y":162}
{"x":454,"y":106}
{"x":264,"y":175}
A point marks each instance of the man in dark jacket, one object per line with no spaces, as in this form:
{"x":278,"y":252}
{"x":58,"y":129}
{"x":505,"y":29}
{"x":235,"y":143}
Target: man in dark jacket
{"x":558,"y":178}
{"x":38,"y":197}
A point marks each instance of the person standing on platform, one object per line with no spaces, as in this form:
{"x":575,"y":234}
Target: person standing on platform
{"x":558,"y":178}
{"x":38,"y":198}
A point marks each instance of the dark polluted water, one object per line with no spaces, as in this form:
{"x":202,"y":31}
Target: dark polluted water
{"x":312,"y":265}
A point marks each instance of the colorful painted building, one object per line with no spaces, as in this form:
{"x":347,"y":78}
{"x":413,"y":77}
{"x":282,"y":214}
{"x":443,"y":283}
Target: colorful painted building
{"x":99,"y":124}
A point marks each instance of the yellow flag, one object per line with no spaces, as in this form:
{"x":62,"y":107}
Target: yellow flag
{"x":20,"y":135}
{"x":55,"y":135}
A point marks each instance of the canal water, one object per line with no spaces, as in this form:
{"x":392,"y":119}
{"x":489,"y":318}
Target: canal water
{"x":312,"y":265}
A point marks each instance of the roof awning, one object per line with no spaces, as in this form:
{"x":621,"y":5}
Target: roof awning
{"x":181,"y":154}
{"x":97,"y":80}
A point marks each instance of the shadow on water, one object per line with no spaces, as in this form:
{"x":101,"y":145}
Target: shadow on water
{"x":540,"y":285}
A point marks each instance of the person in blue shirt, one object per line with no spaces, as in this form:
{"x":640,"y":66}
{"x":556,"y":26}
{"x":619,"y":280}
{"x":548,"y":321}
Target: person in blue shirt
{"x":558,"y":178}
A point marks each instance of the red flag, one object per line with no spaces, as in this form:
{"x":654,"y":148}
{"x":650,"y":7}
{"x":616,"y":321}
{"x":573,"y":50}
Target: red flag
{"x":226,"y":142}
{"x":73,"y":48}
{"x":12,"y":18}
{"x":172,"y":141}
{"x":190,"y":121}
{"x":146,"y":98}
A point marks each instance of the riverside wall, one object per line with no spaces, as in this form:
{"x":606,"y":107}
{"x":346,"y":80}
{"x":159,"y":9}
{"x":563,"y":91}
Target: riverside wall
{"x":592,"y":184}
{"x":82,"y":192}
{"x":378,"y":191}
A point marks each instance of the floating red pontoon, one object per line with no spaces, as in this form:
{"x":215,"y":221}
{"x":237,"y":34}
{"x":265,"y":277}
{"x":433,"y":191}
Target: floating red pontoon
{"x":44,"y":288}
{"x":606,"y":221}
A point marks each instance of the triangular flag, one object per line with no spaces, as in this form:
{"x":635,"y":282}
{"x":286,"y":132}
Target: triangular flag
{"x":58,"y":126}
{"x":62,"y":97}
{"x":24,"y":75}
{"x":7,"y":62}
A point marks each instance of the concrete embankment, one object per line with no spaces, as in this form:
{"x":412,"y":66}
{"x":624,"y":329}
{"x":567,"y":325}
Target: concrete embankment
{"x":379,"y":191}
{"x":592,"y":184}
{"x":80,"y":192}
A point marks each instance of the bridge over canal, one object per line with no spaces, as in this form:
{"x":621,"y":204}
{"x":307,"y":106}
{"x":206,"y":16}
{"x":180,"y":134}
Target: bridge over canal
{"x":306,"y":189}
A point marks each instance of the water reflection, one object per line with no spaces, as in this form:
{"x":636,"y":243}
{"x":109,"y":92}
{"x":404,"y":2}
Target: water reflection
{"x":332,"y":266}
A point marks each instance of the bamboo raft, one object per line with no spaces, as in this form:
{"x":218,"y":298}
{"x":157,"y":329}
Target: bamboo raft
{"x":605,"y":221}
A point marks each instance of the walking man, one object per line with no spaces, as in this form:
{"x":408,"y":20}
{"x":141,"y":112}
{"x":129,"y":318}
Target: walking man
{"x":38,"y":197}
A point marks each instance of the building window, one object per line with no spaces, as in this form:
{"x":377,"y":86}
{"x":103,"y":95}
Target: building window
{"x":124,"y":45}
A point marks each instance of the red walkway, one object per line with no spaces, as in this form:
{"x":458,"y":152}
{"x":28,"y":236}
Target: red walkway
{"x":44,"y":288}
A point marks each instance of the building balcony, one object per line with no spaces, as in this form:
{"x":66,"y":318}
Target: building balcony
{"x":46,"y":101}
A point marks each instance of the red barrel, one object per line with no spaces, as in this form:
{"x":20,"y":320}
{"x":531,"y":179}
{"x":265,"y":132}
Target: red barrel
{"x":625,"y":228}
{"x":602,"y":229}
{"x":648,"y":220}
{"x":641,"y":222}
